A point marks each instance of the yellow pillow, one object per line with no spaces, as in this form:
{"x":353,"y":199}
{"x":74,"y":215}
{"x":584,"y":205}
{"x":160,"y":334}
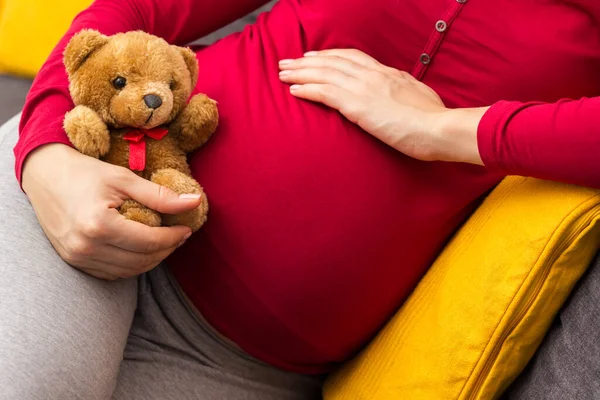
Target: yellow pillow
{"x":481,"y":311}
{"x":29,"y":30}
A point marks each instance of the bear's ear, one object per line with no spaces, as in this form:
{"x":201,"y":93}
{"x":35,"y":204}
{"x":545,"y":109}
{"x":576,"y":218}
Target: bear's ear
{"x":192,"y":64}
{"x":80,"y":47}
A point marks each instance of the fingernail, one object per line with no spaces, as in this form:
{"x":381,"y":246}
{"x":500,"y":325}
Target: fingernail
{"x":286,"y":62}
{"x":284,"y":73}
{"x":186,"y":237}
{"x":310,"y":54}
{"x":295,"y":87}
{"x":190,"y":196}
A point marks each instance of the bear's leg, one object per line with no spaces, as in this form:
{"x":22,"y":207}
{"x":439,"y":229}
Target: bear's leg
{"x":182,"y":184}
{"x":135,"y":211}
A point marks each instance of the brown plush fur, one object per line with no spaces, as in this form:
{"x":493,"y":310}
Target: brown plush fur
{"x":104,"y":112}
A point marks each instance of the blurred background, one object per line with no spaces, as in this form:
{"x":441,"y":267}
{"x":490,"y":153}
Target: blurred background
{"x":29,"y":30}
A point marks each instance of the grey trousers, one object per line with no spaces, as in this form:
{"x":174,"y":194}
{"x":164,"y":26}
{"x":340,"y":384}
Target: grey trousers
{"x":65,"y":335}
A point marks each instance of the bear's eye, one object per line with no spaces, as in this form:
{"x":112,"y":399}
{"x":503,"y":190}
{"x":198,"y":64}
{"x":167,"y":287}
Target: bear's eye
{"x":172,"y":84}
{"x":119,"y":82}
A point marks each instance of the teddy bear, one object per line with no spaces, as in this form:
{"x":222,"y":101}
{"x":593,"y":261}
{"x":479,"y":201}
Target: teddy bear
{"x":131,"y":93}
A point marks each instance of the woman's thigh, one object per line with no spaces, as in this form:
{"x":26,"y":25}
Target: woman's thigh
{"x":62,"y":333}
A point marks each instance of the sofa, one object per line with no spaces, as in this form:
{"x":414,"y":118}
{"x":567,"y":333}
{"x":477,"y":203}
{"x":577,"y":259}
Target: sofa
{"x":476,"y":319}
{"x":12,"y":95}
{"x":14,"y":87}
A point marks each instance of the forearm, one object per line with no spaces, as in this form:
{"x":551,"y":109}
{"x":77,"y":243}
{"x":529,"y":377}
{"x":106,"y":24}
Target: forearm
{"x":558,"y":141}
{"x":457,"y":135}
{"x":178,"y":21}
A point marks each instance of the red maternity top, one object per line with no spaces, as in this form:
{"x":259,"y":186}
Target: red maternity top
{"x":318,"y":232}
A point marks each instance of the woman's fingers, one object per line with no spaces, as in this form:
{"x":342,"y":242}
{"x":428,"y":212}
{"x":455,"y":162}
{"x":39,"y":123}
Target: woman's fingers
{"x":139,"y":238}
{"x":129,"y":262}
{"x":153,"y":196}
{"x":110,"y":262}
{"x":330,"y":95}
{"x":356,"y":56}
{"x":326,"y":80}
{"x":331,"y":63}
{"x":317,"y":75}
{"x":136,"y":249}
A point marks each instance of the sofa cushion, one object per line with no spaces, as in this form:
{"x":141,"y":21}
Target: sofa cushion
{"x":480,"y":312}
{"x":35,"y":26}
{"x":39,"y":25}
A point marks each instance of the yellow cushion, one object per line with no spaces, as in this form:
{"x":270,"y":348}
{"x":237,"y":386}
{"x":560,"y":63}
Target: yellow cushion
{"x":480,"y":312}
{"x":29,"y":30}
{"x":1,"y":7}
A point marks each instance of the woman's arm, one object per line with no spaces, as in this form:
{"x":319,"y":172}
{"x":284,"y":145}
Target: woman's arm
{"x":555,"y":141}
{"x":559,"y":141}
{"x":177,"y":21}
{"x":75,"y":197}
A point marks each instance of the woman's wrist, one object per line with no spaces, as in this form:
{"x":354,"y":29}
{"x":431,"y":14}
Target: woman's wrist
{"x":39,"y":161}
{"x":456,"y":134}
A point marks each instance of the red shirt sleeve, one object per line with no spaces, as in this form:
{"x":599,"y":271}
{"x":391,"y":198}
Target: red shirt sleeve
{"x":559,"y":141}
{"x":177,"y":21}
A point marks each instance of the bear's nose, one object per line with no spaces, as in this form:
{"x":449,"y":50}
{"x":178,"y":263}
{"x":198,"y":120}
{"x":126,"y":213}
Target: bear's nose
{"x":152,"y":101}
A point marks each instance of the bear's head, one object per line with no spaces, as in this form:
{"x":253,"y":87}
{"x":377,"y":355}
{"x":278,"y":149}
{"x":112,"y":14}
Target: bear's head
{"x":131,"y":79}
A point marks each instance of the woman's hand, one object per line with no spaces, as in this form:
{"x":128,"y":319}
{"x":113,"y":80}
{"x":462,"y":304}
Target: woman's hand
{"x":76,"y":198}
{"x":387,"y":103}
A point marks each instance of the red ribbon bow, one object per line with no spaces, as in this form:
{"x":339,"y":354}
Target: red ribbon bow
{"x":137,"y":145}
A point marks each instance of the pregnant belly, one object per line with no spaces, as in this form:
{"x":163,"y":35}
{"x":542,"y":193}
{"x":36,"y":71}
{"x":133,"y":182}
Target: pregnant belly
{"x":316,"y":230}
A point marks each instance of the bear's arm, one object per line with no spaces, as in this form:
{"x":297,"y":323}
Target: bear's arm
{"x":196,"y":123}
{"x":88,"y":133}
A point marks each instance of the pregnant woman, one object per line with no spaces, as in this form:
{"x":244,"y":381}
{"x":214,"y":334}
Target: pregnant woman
{"x":334,"y":179}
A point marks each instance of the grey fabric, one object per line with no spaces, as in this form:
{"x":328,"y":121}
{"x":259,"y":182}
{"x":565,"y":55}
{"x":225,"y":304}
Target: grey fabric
{"x":567,"y":364}
{"x":62,"y":333}
{"x":173,"y":354}
{"x":65,"y":335}
{"x":12,"y":96}
{"x":236,"y":26}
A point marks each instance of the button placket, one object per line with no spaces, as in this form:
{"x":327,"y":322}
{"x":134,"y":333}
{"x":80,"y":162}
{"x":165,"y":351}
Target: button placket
{"x":436,"y":37}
